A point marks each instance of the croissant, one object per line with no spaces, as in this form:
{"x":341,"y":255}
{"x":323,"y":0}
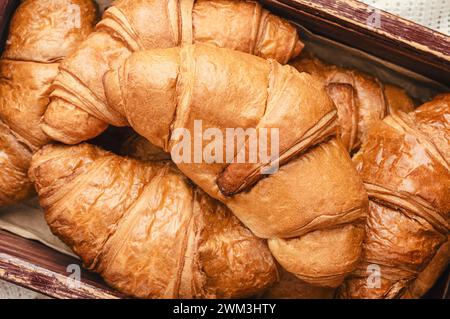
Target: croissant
{"x":139,"y":148}
{"x":361,"y":100}
{"x":291,"y":287}
{"x":41,"y":34}
{"x":145,"y":229}
{"x":316,"y":198}
{"x":78,"y":109}
{"x":288,"y":285}
{"x":405,"y":165}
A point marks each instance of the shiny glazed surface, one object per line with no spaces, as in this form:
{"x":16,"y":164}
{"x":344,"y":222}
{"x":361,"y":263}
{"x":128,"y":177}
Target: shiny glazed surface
{"x":405,"y":167}
{"x":78,"y":110}
{"x":145,"y":228}
{"x":361,"y":100}
{"x":316,"y":189}
{"x":40,"y":36}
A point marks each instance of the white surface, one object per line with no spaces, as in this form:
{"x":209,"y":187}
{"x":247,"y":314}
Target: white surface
{"x":10,"y":291}
{"x":434,"y":14}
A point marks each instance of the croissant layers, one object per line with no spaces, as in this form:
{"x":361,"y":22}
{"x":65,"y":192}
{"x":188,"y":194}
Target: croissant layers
{"x":145,"y":229}
{"x":361,"y":100}
{"x":78,"y":109}
{"x":41,"y":34}
{"x":316,"y":197}
{"x":405,"y":164}
{"x":287,"y":286}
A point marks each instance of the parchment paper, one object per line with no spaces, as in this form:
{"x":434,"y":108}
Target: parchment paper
{"x":27,"y":219}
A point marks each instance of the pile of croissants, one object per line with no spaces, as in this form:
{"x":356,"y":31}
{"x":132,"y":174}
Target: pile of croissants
{"x":360,"y":205}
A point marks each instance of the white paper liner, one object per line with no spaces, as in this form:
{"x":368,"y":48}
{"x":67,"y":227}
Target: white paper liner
{"x":27,"y":220}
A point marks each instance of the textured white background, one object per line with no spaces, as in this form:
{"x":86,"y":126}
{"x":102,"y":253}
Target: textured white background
{"x":432,"y":13}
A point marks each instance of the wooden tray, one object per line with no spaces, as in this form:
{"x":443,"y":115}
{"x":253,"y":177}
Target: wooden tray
{"x":395,"y":39}
{"x":37,"y":267}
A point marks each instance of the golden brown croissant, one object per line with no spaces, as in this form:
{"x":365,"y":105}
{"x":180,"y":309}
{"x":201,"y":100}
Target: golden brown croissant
{"x":316,"y":198}
{"x":361,"y":100}
{"x":405,"y":164}
{"x":78,"y":111}
{"x":42,"y":32}
{"x":288,"y":285}
{"x":145,"y":229}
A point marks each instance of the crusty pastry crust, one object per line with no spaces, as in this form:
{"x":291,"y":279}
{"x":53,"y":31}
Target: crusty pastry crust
{"x":40,"y":36}
{"x":405,"y":164}
{"x":361,"y":100}
{"x":145,"y":228}
{"x":313,"y":206}
{"x":78,"y":110}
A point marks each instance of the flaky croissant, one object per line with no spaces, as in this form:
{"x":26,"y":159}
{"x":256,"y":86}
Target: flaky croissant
{"x":316,"y":198}
{"x":287,"y":286}
{"x":42,"y":32}
{"x":145,"y":228}
{"x":78,"y":109}
{"x":361,"y":100}
{"x":405,"y":164}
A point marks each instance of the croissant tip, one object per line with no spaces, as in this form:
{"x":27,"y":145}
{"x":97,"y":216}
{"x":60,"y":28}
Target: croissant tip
{"x":224,"y":187}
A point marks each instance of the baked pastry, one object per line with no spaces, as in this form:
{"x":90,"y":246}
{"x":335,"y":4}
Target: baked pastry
{"x":78,"y":110}
{"x":313,"y":206}
{"x":145,"y":229}
{"x":139,"y":148}
{"x":361,"y":100}
{"x":42,"y":32}
{"x":405,"y":165}
{"x":288,"y":286}
{"x":397,"y":99}
{"x":291,"y":287}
